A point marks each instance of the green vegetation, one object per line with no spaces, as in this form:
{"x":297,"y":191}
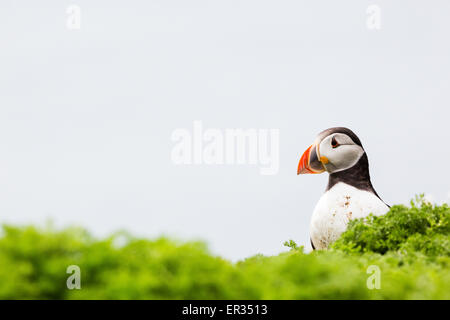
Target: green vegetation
{"x":410,"y":246}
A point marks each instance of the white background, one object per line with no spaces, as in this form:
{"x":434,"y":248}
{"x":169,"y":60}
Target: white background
{"x":86,"y":115}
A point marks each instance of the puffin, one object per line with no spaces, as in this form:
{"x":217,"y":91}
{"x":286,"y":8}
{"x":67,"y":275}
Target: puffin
{"x":349,"y":193}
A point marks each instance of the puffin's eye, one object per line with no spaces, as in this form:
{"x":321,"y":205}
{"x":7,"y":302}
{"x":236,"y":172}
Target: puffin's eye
{"x":334,"y":142}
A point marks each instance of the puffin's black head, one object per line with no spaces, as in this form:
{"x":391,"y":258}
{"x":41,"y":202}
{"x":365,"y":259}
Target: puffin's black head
{"x":334,"y":150}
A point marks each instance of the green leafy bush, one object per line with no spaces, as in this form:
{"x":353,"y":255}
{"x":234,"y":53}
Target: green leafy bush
{"x":422,"y":228}
{"x":410,"y":247}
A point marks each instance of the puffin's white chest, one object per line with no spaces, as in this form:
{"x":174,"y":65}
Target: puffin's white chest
{"x":337,"y":207}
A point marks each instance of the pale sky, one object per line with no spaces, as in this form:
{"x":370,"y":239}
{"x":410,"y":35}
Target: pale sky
{"x":86,"y":116}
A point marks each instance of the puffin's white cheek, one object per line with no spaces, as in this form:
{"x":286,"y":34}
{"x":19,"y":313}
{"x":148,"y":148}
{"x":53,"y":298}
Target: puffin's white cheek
{"x":344,"y":157}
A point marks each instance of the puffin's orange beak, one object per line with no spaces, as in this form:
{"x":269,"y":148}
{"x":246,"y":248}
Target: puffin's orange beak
{"x":310,"y":162}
